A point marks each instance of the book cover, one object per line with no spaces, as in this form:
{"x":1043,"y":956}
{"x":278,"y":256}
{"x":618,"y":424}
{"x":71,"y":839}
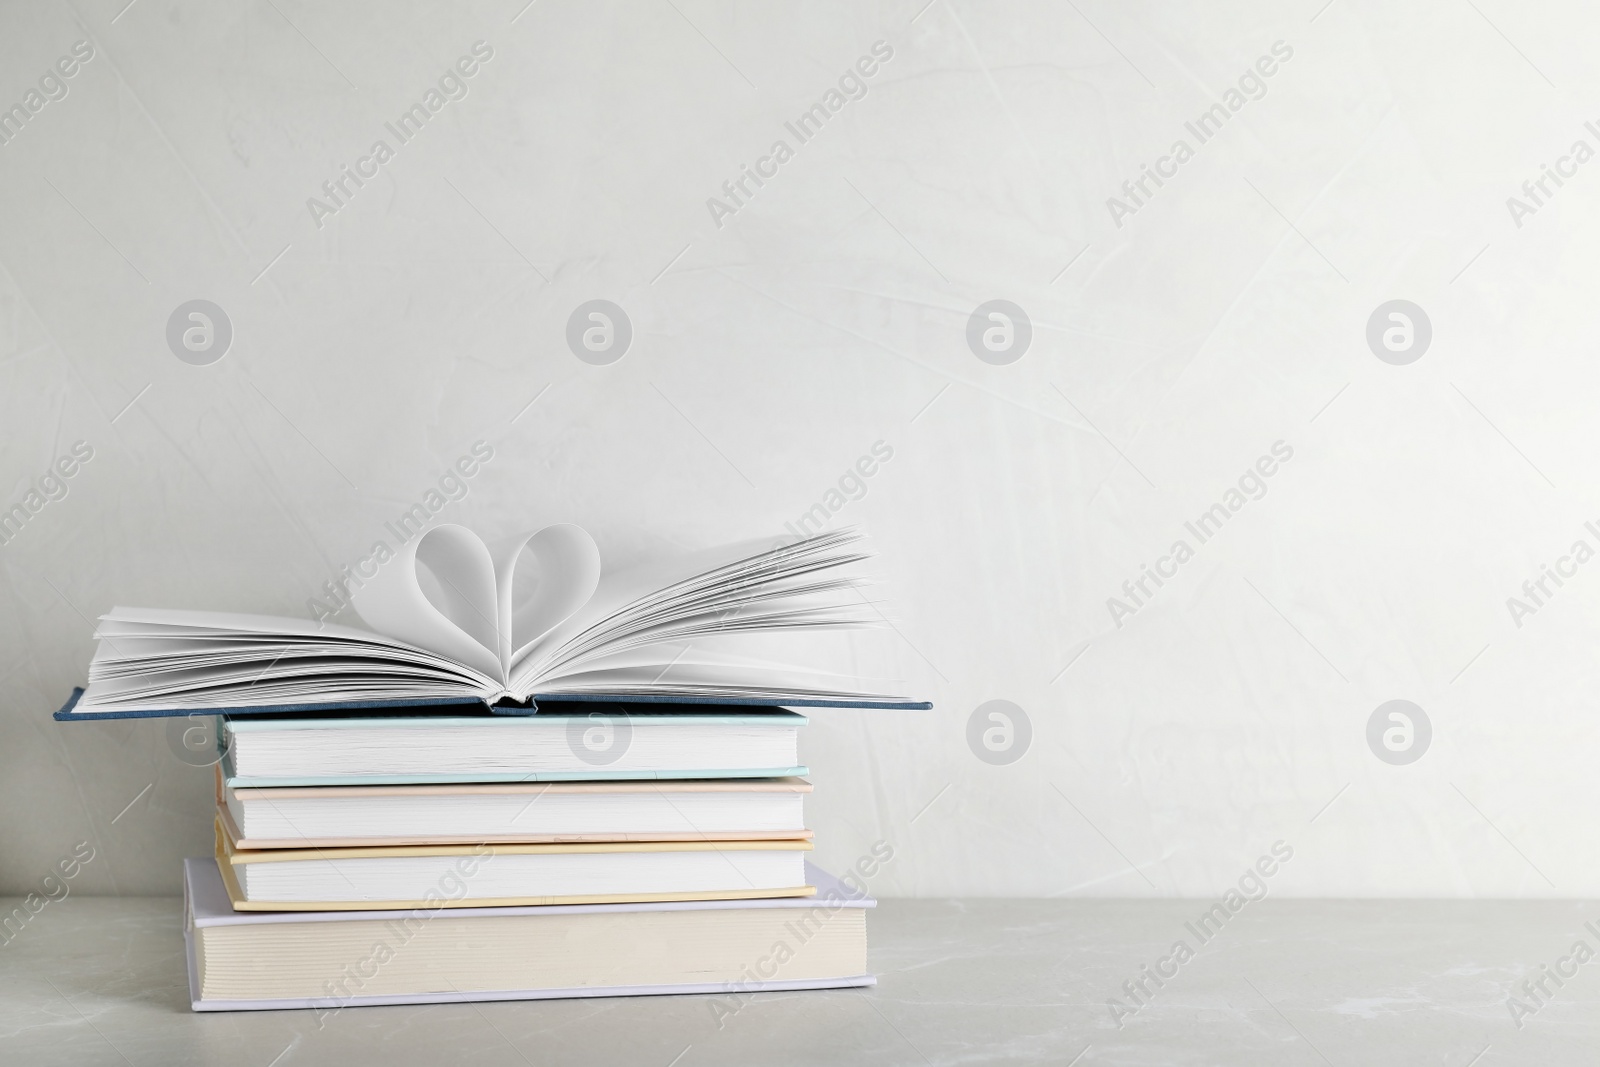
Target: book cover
{"x":230,"y":857}
{"x":521,"y":792}
{"x":207,"y":905}
{"x":624,"y":768}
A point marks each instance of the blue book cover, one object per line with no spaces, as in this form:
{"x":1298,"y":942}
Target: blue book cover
{"x":459,"y":706}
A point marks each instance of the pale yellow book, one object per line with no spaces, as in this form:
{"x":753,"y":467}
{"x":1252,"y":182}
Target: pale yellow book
{"x":504,"y":875}
{"x":731,"y":809}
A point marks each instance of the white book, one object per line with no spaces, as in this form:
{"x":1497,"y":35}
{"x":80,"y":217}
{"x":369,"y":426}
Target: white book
{"x":554,"y":812}
{"x":328,"y":961}
{"x":454,"y":620}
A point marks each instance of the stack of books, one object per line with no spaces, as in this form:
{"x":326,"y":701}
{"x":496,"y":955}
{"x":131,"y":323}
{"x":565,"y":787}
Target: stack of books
{"x":416,"y":858}
{"x":579,"y":805}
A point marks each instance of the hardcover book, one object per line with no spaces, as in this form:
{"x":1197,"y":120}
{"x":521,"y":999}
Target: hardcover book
{"x":490,"y":875}
{"x":326,"y":961}
{"x":454,"y":622}
{"x":733,"y":809}
{"x":421,"y":750}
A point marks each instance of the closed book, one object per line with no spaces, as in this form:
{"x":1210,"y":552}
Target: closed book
{"x":327,"y":961}
{"x":491,"y":875}
{"x":433,"y":749}
{"x":734,"y":809}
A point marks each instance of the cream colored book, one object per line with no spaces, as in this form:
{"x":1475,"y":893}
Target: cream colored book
{"x":500,"y":875}
{"x":735,"y":809}
{"x":327,"y":961}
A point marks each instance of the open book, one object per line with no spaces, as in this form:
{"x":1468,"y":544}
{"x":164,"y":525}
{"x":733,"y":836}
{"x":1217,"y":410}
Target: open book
{"x":454,"y":621}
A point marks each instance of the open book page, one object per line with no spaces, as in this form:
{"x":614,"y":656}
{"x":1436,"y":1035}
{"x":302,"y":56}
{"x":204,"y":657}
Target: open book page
{"x":122,"y":621}
{"x":448,"y":592}
{"x":754,"y":665}
{"x":445,"y":598}
{"x":452,"y":618}
{"x":632,"y":588}
{"x":166,"y":659}
{"x":543,"y":581}
{"x":777,"y":687}
{"x":723,"y":591}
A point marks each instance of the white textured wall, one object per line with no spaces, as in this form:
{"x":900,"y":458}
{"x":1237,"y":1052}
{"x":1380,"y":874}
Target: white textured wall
{"x":1172,"y":347}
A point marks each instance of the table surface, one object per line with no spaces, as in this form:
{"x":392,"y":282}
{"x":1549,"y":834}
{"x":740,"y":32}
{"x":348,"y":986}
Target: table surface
{"x":93,"y":981}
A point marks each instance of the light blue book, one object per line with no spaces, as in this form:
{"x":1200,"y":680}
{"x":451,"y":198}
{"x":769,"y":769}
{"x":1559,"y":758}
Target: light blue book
{"x":609,"y":744}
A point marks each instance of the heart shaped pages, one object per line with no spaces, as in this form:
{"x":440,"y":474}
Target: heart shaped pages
{"x":448,"y":592}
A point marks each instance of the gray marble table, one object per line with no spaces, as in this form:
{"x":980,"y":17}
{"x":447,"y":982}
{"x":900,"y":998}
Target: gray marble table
{"x":99,"y":981}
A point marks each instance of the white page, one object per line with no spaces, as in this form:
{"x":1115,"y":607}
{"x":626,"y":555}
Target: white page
{"x":564,"y":563}
{"x":395,"y":604}
{"x":451,"y":613}
{"x":635,"y":592}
